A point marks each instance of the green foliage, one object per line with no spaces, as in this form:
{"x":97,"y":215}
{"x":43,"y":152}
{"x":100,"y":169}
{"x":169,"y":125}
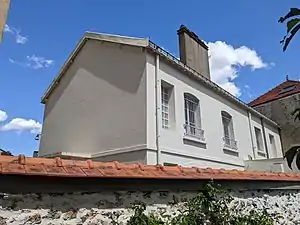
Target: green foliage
{"x":291,"y":154}
{"x":292,"y":25}
{"x":254,"y":218}
{"x":209,"y":207}
{"x":139,"y":218}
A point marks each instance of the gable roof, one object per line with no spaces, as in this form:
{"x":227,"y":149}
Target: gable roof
{"x":282,"y":90}
{"x":57,"y":167}
{"x":152,"y":47}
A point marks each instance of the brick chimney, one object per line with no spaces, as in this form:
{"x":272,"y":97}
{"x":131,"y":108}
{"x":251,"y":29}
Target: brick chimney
{"x":193,"y":51}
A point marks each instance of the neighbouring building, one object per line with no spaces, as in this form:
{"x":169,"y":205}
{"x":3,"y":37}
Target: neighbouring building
{"x":126,"y":99}
{"x":278,"y":104}
{"x":4,"y":7}
{"x":4,"y":152}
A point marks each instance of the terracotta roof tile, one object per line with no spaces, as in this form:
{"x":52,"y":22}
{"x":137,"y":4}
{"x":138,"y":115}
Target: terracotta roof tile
{"x":21,"y":165}
{"x":274,"y":94}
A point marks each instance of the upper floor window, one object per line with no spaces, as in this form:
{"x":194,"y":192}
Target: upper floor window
{"x":192,"y":117}
{"x":273,"y":145}
{"x":229,"y":139}
{"x":259,"y":139}
{"x":165,"y":96}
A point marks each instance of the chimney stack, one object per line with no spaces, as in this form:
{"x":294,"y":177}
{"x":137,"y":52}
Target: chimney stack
{"x":193,"y":51}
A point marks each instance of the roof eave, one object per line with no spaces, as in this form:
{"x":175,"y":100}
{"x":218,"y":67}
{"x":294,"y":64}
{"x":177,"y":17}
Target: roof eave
{"x":138,"y":42}
{"x":63,"y":69}
{"x":172,"y":59}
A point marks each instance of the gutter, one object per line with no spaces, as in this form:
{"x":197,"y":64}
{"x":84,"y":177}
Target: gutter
{"x":157,"y":117}
{"x":163,"y":53}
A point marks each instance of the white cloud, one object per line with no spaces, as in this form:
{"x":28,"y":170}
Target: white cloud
{"x":17,"y":33}
{"x":34,"y":62}
{"x":225,"y":61}
{"x":20,"y":124}
{"x":21,"y":39}
{"x":3,"y":115}
{"x":7,"y":29}
{"x":37,"y":62}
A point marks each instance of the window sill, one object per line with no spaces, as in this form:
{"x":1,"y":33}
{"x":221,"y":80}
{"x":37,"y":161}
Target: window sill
{"x":261,"y":153}
{"x":231,"y":151}
{"x":194,"y":139}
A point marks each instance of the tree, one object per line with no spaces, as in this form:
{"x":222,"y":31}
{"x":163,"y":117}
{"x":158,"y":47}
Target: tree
{"x":292,"y":25}
{"x":292,"y":19}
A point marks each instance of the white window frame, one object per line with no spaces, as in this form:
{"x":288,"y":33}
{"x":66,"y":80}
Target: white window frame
{"x":273,"y":145}
{"x":259,"y":140}
{"x":192,"y":117}
{"x":228,"y":131}
{"x":165,"y":107}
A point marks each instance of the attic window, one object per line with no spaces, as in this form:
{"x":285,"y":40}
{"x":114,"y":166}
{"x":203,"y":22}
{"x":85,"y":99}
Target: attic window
{"x":287,"y":89}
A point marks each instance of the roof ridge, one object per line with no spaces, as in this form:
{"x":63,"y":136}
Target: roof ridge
{"x":57,"y":167}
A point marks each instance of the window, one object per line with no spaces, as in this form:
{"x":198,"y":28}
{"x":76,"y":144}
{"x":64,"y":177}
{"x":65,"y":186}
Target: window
{"x":170,"y":164}
{"x":165,"y":96}
{"x":273,"y":145}
{"x":192,"y":124}
{"x":229,"y":140}
{"x":259,"y":140}
{"x":287,"y":89}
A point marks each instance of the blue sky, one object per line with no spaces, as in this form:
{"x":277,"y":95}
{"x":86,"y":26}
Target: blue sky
{"x":246,"y":57}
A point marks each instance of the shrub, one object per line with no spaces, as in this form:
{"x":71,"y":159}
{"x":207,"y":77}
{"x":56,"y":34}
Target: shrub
{"x":209,"y":207}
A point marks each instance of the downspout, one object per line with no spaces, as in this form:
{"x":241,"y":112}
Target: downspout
{"x":251,"y":133}
{"x":157,"y":109}
{"x":265,"y":138}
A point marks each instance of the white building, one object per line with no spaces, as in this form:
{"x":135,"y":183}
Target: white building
{"x":126,"y":99}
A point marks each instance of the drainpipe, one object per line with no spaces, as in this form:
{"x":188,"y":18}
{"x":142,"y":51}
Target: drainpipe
{"x":157,"y":110}
{"x":265,"y":138}
{"x":251,"y":133}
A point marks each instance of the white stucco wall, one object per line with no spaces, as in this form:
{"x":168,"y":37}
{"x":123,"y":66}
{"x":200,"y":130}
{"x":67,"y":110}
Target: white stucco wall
{"x":211,"y":153}
{"x":99,"y":104}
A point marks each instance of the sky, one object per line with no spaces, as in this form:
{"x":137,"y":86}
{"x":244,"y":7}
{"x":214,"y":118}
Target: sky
{"x":243,"y":37}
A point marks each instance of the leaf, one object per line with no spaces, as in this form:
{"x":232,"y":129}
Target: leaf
{"x":298,"y":160}
{"x":290,"y":154}
{"x":291,"y":24}
{"x":288,"y":40}
{"x":293,"y":12}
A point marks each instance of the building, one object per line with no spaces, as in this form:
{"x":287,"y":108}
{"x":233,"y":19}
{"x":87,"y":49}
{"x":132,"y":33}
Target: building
{"x":3,"y":152}
{"x":126,"y":99}
{"x":278,"y":104}
{"x":4,"y":7}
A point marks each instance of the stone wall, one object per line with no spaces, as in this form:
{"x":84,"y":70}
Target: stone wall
{"x":110,"y":207}
{"x":280,"y":112}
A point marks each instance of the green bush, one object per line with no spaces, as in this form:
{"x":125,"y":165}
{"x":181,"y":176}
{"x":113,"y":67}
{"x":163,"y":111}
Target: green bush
{"x":209,"y":207}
